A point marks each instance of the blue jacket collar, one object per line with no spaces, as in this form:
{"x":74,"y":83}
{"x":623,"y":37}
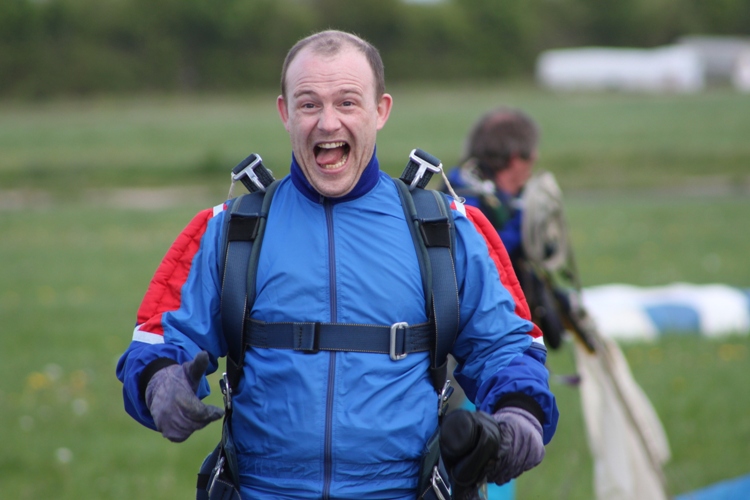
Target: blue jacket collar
{"x":366,"y":182}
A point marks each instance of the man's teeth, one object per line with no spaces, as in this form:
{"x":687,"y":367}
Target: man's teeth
{"x":332,"y":145}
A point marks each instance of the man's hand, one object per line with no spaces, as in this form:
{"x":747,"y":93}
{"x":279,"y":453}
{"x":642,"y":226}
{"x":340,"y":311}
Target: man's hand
{"x":477,"y":447}
{"x":171,"y":399}
{"x":469,"y":441}
{"x":521,"y":445}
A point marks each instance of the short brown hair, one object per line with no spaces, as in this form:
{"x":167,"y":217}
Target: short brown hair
{"x":499,"y":135}
{"x":330,"y":43}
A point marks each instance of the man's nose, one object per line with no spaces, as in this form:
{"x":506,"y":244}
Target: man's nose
{"x":328,"y":119}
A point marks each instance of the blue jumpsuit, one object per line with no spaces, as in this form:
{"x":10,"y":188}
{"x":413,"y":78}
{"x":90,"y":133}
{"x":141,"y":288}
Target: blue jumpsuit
{"x":335,"y":424}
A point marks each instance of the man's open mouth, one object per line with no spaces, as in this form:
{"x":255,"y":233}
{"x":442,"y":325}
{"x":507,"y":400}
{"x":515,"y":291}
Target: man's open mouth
{"x":331,"y":155}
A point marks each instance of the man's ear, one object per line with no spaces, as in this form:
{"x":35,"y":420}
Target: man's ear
{"x":283,"y":111}
{"x":384,"y":109}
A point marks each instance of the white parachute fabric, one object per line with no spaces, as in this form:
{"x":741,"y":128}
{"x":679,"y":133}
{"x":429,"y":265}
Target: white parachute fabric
{"x":626,"y":438}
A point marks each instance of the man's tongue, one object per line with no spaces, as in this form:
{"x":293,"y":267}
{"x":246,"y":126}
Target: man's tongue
{"x":327,"y":157}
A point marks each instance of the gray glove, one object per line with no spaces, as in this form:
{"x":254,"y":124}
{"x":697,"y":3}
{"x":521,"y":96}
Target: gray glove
{"x":171,"y":399}
{"x":521,"y":445}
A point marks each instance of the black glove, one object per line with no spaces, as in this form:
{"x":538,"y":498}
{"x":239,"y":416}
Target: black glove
{"x":171,"y":399}
{"x":477,"y":447}
{"x":469,"y":442}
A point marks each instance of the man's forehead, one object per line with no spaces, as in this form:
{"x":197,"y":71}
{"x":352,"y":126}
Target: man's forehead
{"x":318,"y":58}
{"x":324,"y":57}
{"x":309,"y":69}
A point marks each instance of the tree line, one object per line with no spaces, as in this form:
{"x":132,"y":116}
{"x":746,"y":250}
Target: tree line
{"x":81,"y":47}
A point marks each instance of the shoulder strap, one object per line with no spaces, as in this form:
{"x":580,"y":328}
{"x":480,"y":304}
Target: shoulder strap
{"x":245,"y":225}
{"x":433,"y":231}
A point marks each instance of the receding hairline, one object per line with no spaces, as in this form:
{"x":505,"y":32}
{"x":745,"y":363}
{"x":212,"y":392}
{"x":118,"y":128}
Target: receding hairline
{"x":331,"y":43}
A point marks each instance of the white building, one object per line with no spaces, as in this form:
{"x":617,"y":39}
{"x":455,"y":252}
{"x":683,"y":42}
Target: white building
{"x":673,"y":68}
{"x":741,"y":72}
{"x":720,"y":54}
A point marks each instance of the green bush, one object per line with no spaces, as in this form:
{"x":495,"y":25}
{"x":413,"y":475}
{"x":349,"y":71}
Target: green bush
{"x":83,"y":47}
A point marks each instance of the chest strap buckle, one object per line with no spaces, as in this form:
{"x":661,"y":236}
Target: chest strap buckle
{"x":395,"y":328}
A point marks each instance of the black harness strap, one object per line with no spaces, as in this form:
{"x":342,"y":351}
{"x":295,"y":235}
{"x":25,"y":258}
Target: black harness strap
{"x":246,"y":223}
{"x":430,"y":223}
{"x":396,"y":340}
{"x":434,"y":236}
{"x":433,"y":233}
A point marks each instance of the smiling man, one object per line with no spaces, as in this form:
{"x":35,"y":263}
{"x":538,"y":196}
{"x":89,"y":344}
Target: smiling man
{"x":340,"y":421}
{"x":332,"y":106}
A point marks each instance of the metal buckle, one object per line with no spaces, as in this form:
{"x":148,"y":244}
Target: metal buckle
{"x":226,"y":390}
{"x":424,"y":165}
{"x":445,"y":394}
{"x":395,"y":327}
{"x":216,"y":472}
{"x":437,"y":480}
{"x":249,"y":172}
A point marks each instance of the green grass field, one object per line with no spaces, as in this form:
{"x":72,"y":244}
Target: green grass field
{"x":590,"y":141}
{"x":656,"y":190}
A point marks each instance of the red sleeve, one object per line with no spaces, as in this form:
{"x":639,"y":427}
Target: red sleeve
{"x":164,"y":291}
{"x":500,"y":256}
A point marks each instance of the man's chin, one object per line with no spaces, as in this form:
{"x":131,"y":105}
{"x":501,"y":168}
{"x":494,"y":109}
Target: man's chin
{"x":332,"y":189}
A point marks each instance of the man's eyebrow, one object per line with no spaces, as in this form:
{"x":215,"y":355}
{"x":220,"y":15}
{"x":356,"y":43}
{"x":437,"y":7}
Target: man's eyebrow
{"x":304,"y":92}
{"x":352,"y":91}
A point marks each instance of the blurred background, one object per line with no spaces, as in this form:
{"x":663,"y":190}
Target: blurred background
{"x":119,"y":119}
{"x":84,"y":47}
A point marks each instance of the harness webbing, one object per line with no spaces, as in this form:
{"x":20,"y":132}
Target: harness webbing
{"x":430,"y":223}
{"x":245,"y":225}
{"x":396,"y":340}
{"x":431,"y":226}
{"x":434,"y":236}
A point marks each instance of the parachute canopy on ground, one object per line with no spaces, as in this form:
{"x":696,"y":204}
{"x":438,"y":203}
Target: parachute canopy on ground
{"x":627,"y":312}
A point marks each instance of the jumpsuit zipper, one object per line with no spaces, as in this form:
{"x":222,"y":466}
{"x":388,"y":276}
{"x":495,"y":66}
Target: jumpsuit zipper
{"x":327,"y":463}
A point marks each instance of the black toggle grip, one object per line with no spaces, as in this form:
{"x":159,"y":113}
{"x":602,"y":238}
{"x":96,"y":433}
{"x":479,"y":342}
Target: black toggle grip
{"x":468,"y":442}
{"x":253,"y":174}
{"x":420,"y":168}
